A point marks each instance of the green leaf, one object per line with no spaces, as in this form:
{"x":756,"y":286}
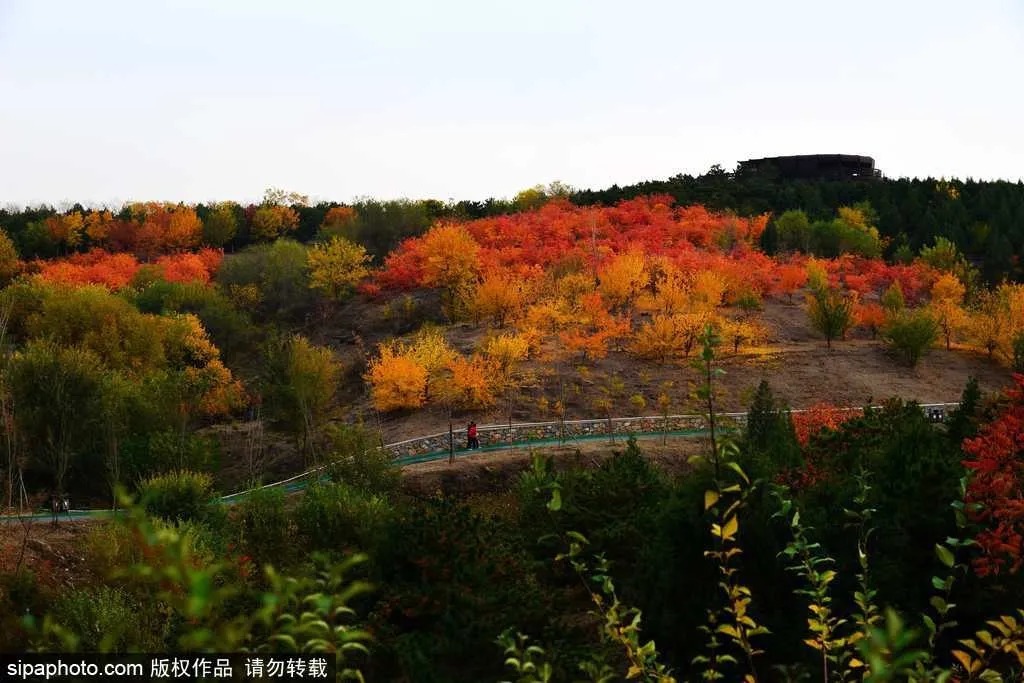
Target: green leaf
{"x":945,"y":555}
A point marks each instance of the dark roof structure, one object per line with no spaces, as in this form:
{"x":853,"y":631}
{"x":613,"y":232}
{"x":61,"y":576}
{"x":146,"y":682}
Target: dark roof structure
{"x":812,"y":167}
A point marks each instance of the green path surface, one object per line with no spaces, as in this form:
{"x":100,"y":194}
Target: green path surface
{"x":302,"y":481}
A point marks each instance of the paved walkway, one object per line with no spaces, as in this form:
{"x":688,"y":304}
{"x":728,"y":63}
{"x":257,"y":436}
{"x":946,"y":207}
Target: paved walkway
{"x":301,"y":481}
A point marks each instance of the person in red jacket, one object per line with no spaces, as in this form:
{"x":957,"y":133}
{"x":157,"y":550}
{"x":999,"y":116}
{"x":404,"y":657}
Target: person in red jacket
{"x":471,"y":436}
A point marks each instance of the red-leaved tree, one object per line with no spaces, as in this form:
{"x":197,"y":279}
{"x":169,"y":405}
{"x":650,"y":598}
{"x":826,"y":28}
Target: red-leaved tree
{"x":995,"y":460}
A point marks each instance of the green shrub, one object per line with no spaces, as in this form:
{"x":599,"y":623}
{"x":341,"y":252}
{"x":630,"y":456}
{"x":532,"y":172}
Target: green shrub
{"x":357,"y":460}
{"x":337,"y":517}
{"x":910,"y":334}
{"x":106,"y":619}
{"x":264,"y":525}
{"x":177,"y":496}
{"x":165,"y":451}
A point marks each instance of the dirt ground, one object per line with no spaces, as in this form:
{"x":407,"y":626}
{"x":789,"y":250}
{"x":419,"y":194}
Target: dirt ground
{"x":793,"y":359}
{"x":59,"y":548}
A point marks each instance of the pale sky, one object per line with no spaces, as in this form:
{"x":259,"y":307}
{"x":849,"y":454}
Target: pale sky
{"x":108,"y":101}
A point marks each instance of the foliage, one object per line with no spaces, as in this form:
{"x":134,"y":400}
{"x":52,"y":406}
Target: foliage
{"x":177,"y":496}
{"x":337,"y":517}
{"x":336,"y":267}
{"x":910,"y":334}
{"x":264,"y":526}
{"x":277,"y":274}
{"x":397,"y":381}
{"x":831,"y":314}
{"x":357,"y":460}
{"x":301,"y":383}
{"x":997,"y":486}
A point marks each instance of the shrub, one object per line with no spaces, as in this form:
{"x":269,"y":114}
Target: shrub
{"x":264,"y":525}
{"x":177,"y":496}
{"x":910,"y":334}
{"x":108,"y":547}
{"x":357,"y":460}
{"x":336,"y":517}
{"x":166,"y":451}
{"x":831,"y":314}
{"x":106,"y":619}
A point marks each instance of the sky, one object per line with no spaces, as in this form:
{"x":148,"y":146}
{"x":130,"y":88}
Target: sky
{"x":103,"y":102}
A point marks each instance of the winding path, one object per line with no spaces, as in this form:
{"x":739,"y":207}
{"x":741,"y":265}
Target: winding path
{"x":301,"y":481}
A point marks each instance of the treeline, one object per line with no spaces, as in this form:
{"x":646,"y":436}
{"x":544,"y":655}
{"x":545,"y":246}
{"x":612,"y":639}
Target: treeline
{"x":985,"y":219}
{"x":153,"y":228}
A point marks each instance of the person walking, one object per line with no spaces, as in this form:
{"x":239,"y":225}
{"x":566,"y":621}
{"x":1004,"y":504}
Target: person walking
{"x":474,"y":442}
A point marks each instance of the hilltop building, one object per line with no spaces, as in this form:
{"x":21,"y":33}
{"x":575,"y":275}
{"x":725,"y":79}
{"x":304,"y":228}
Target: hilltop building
{"x":812,"y":167}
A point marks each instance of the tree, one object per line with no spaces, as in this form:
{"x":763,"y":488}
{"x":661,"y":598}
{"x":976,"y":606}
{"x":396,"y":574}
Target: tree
{"x":662,"y":338}
{"x":794,"y":231}
{"x":221,"y":224}
{"x":707,"y":290}
{"x":910,"y":334}
{"x":995,"y":491}
{"x":340,"y":221}
{"x":450,"y":262}
{"x":737,"y":332}
{"x":831,"y":314}
{"x":275,"y":275}
{"x":792,"y":276}
{"x":870,"y":316}
{"x":946,"y":305}
{"x":467,"y":384}
{"x":301,"y":386}
{"x":336,"y":267}
{"x":271,"y":221}
{"x":987,"y":324}
{"x":10,"y":264}
{"x":57,"y":393}
{"x":622,"y":279}
{"x":498,"y":297}
{"x":892,"y":298}
{"x":396,"y":380}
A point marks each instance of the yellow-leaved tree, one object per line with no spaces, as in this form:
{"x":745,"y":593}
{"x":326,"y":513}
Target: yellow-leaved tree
{"x":947,"y":306}
{"x":622,"y":280}
{"x":450,"y":261}
{"x":397,"y":381}
{"x":336,"y":267}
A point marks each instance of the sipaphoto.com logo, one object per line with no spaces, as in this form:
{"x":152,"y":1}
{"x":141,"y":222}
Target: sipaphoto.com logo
{"x":69,"y":669}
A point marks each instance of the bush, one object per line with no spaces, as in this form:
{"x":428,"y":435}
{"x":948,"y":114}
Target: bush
{"x":910,"y":334}
{"x":106,"y":619}
{"x":177,"y":496}
{"x":357,"y":460}
{"x":264,"y":525}
{"x":108,"y":547}
{"x":338,"y":517}
{"x":166,"y":451}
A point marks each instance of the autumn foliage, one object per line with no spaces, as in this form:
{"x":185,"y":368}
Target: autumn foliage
{"x":997,"y":486}
{"x":811,"y":421}
{"x":116,"y":271}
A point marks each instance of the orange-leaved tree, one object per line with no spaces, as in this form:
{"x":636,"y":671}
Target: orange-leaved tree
{"x":870,"y":316}
{"x":450,"y":261}
{"x":396,"y":380}
{"x":270,"y":221}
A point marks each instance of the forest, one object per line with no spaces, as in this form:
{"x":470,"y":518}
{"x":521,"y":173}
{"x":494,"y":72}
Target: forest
{"x":161,"y":355}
